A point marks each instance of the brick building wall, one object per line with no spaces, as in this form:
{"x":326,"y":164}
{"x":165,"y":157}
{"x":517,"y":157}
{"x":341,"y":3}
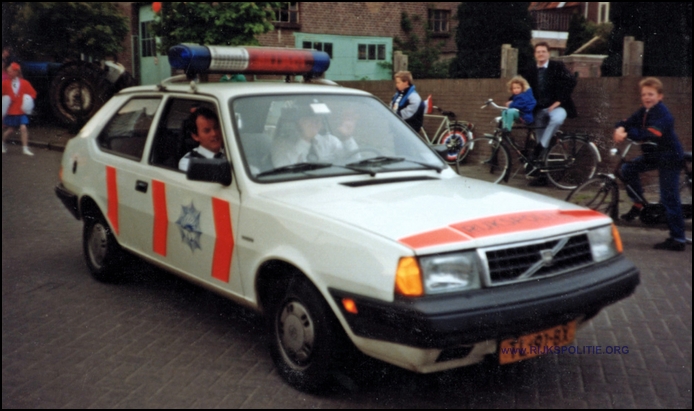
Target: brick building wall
{"x":600,"y":102}
{"x":378,"y":19}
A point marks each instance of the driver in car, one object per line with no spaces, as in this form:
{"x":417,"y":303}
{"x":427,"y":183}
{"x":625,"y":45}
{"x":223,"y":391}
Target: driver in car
{"x":301,"y":137}
{"x":203,"y":127}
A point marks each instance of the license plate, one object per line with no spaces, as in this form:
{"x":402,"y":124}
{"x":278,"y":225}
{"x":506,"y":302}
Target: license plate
{"x":536,"y":344}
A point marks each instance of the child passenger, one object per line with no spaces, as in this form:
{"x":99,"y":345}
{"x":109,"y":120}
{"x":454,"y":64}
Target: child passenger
{"x":520,"y":105}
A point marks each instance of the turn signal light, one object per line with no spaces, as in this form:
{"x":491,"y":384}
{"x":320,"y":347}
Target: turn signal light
{"x":617,"y":239}
{"x":408,"y":278}
{"x":350,"y":306}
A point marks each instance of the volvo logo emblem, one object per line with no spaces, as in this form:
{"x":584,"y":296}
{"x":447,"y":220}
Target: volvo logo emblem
{"x":547,"y":257}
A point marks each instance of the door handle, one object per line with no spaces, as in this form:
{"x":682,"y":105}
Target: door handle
{"x":141,"y":186}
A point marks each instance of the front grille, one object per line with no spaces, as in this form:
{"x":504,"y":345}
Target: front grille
{"x":515,"y":263}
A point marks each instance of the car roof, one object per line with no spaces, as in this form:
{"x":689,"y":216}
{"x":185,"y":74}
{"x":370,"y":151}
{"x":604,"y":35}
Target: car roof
{"x":224,"y":90}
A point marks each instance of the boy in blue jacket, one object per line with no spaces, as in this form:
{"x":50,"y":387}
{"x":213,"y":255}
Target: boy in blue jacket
{"x":521,"y":104}
{"x":653,"y":122}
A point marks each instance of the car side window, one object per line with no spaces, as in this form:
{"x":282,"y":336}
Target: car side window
{"x":172,"y":141}
{"x":126,"y":133}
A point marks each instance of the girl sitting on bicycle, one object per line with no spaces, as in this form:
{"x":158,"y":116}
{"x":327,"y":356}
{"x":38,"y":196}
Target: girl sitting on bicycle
{"x":520,"y":105}
{"x":654,"y":123}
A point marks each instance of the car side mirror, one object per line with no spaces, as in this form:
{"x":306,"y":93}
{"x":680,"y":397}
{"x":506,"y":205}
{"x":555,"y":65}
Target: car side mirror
{"x":212,"y":170}
{"x":441,"y":149}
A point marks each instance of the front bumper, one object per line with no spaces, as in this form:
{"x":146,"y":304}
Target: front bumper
{"x":492,"y":313}
{"x":69,"y":199}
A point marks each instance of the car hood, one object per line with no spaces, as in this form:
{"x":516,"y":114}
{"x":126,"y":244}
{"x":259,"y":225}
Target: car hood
{"x":439,"y":214}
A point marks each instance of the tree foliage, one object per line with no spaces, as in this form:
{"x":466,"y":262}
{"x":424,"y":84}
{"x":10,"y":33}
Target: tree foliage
{"x":666,"y":30}
{"x":218,"y":23}
{"x":423,"y":57}
{"x":63,"y":31}
{"x":483,"y":27}
{"x":582,"y":31}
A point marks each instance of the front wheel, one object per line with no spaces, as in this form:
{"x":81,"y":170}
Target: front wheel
{"x":600,"y":194}
{"x":455,"y":138}
{"x":571,"y":161}
{"x":484,"y":158}
{"x":304,"y":335}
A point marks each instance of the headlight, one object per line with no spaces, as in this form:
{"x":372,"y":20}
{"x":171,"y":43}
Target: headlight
{"x":448,"y":273}
{"x":604,"y":243}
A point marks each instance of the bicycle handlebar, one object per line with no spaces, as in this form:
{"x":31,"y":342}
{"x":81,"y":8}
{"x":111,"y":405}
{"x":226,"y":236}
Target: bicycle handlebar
{"x":491,"y":102}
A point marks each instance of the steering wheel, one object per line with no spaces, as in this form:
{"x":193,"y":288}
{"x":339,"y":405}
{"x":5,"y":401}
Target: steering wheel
{"x":352,"y":155}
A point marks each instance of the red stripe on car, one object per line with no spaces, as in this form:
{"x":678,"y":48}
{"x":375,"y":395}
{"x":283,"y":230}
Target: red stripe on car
{"x":161,"y":218}
{"x":498,"y":225}
{"x":224,"y":243}
{"x":112,"y":197}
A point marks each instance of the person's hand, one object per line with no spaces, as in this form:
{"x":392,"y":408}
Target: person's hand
{"x":553,"y":106}
{"x":620,"y":134}
{"x":508,"y":103}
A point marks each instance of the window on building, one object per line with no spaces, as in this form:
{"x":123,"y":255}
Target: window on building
{"x":149,"y":43}
{"x":288,"y":13}
{"x":604,"y":13}
{"x":320,"y":46}
{"x":439,"y":20}
{"x":371,"y":51}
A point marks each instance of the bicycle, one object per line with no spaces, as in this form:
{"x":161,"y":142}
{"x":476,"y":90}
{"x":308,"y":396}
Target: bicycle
{"x":451,"y":132}
{"x":601,"y":193}
{"x":570,"y":160}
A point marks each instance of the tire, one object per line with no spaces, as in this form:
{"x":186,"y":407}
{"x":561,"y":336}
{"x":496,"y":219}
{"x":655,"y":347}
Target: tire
{"x":304,"y":333}
{"x":579,"y":157}
{"x":75,"y":94}
{"x":599,"y":193}
{"x":484,"y":158}
{"x":102,"y":253}
{"x":459,"y":135}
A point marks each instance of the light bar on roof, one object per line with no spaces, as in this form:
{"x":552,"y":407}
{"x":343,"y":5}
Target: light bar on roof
{"x":195,"y":59}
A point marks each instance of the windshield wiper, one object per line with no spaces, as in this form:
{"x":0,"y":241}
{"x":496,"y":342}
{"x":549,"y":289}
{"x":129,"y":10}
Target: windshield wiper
{"x":295,"y":168}
{"x":383,"y":160}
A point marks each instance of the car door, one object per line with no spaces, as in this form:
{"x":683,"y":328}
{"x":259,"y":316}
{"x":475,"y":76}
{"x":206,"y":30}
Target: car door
{"x":122,"y":142}
{"x":193,"y":222}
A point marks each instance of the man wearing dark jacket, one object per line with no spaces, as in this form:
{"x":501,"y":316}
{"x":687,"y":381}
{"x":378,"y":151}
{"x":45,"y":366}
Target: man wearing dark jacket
{"x":552,"y":85}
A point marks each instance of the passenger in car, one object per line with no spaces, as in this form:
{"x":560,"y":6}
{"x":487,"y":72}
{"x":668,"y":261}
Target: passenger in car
{"x":301,"y":138}
{"x":203,"y":126}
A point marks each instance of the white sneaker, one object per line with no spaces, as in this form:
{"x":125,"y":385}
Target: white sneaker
{"x":4,"y":148}
{"x":27,"y":152}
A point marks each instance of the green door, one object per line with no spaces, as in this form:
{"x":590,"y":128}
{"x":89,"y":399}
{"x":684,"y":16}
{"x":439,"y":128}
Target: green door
{"x":154,"y":67}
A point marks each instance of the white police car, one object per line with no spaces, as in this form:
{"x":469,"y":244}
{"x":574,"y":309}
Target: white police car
{"x":331,"y":217}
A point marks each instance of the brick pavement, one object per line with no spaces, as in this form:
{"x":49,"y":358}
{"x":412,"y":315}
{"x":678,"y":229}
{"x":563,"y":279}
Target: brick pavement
{"x":71,"y":342}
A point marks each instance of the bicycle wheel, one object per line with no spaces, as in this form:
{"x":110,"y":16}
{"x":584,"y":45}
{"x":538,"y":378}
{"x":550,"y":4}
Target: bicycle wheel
{"x":599,"y":193}
{"x":484,"y":158}
{"x":571,"y":161}
{"x":455,"y":138}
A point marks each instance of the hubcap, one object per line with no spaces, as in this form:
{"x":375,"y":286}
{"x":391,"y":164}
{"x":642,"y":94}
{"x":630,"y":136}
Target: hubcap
{"x":97,"y":246}
{"x":296,"y":333}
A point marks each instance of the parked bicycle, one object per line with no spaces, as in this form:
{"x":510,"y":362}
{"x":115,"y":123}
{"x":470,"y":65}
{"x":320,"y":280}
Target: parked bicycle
{"x":570,"y":160}
{"x":601,"y":193}
{"x":451,"y":132}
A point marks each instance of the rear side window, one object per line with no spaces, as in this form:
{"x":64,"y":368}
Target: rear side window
{"x":126,"y":133}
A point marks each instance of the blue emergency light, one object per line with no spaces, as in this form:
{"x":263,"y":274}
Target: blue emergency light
{"x":195,"y":59}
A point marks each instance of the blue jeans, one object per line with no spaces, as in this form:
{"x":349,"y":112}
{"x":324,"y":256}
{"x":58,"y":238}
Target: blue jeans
{"x":548,"y":123}
{"x":669,"y":179}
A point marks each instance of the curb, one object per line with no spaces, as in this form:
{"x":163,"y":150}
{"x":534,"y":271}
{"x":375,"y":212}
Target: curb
{"x":47,"y":146}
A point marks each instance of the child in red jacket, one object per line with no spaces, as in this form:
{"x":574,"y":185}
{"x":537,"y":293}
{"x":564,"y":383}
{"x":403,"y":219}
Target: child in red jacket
{"x":15,"y":89}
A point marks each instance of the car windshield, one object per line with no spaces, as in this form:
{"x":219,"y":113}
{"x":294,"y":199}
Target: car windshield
{"x":291,"y":137}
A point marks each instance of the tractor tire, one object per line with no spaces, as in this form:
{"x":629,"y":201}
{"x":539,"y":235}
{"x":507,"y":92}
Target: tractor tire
{"x":75,"y":93}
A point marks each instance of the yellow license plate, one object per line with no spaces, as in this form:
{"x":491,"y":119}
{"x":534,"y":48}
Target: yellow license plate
{"x":536,"y":344}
